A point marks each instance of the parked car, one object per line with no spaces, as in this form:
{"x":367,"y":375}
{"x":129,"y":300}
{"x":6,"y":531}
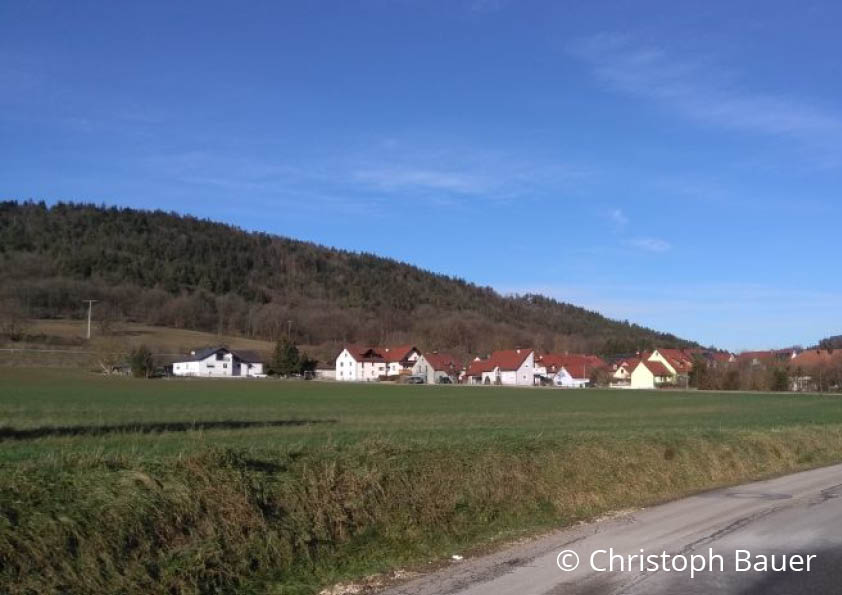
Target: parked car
{"x":415,"y":380}
{"x":445,"y":380}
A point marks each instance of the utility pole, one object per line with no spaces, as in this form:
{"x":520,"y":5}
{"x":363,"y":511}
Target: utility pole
{"x":289,"y":330}
{"x":90,"y":307}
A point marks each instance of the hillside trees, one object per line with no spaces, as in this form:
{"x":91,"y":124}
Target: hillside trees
{"x":162,"y":268}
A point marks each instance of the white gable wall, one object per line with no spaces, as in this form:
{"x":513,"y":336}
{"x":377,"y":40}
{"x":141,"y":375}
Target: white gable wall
{"x":347,"y":368}
{"x":564,"y":379}
{"x":526,"y":372}
{"x":642,"y":377}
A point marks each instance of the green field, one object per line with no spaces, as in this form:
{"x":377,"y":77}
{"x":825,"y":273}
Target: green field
{"x":114,"y":484}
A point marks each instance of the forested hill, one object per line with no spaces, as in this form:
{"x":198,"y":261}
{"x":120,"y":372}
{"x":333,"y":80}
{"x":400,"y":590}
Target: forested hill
{"x":172,"y":270}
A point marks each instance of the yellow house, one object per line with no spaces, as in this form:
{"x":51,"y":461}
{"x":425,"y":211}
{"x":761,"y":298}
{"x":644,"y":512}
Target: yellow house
{"x":650,"y":374}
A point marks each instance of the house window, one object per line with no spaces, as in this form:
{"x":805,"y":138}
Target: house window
{"x":219,"y":357}
{"x":224,"y":365}
{"x":211,"y":366}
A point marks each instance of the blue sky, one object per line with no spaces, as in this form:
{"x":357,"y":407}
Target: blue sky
{"x":676,"y":164}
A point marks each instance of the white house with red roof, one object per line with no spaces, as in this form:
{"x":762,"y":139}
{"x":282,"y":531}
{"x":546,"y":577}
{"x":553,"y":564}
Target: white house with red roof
{"x":512,"y":367}
{"x":568,"y":370}
{"x":434,"y":367}
{"x":621,"y":376}
{"x":475,"y":370}
{"x":359,"y":363}
{"x":400,"y":359}
{"x":650,"y":374}
{"x":677,"y":361}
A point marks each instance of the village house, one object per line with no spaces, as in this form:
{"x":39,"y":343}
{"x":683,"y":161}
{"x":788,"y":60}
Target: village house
{"x":512,"y":367}
{"x":219,"y":362}
{"x":678,"y":362}
{"x":434,"y":367}
{"x":476,"y":368}
{"x":650,"y":374}
{"x":401,"y":359}
{"x":357,"y":363}
{"x":662,"y":367}
{"x":621,"y":375}
{"x":567,"y":371}
{"x":814,"y":369}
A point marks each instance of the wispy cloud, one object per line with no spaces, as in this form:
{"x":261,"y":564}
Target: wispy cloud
{"x":618,"y":218}
{"x":650,"y":244}
{"x":705,"y":92}
{"x":454,"y":171}
{"x":401,"y":178}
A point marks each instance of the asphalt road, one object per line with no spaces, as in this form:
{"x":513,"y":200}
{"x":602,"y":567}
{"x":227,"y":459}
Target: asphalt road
{"x":797,"y":516}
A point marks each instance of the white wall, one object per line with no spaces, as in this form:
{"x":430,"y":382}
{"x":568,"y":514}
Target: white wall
{"x":564,"y":379}
{"x":523,"y":376}
{"x":431,"y":376}
{"x":396,"y":368}
{"x":347,"y":369}
{"x":642,"y":377}
{"x":526,"y":372}
{"x":371,"y":371}
{"x":212,"y":367}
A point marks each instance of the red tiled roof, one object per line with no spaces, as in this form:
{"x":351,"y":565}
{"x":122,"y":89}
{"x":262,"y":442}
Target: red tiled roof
{"x":509,"y":359}
{"x":398,"y":353}
{"x":380,"y":354}
{"x":814,"y":358}
{"x":758,"y":355}
{"x":577,"y":365}
{"x":678,"y":359}
{"x":443,"y":361}
{"x":364,"y":353}
{"x":718,"y":356}
{"x":630,"y":364}
{"x":506,"y":360}
{"x":478,"y":366}
{"x":657,"y":368}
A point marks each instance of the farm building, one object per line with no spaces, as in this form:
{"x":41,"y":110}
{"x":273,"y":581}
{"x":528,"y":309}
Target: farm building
{"x":325,"y":372}
{"x":219,"y":362}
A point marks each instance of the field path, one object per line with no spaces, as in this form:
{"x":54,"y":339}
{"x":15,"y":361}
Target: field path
{"x":799,"y":513}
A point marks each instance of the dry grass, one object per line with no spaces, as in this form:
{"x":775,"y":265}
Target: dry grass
{"x":224,"y":520}
{"x":162,"y":338}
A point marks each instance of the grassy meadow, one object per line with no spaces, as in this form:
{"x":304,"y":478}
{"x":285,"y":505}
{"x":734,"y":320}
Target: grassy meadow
{"x":214,"y":486}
